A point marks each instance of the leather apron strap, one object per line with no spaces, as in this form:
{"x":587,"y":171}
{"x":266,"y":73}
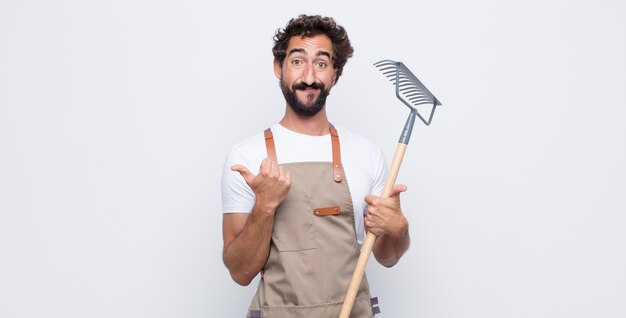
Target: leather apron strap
{"x":269,"y":144}
{"x":334,"y":137}
{"x":337,"y":167}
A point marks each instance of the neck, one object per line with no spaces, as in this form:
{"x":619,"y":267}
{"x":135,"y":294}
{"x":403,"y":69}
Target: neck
{"x":316,"y":125}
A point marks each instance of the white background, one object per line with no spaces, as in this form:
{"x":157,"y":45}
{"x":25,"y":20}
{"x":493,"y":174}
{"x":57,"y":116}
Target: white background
{"x":115,"y":117}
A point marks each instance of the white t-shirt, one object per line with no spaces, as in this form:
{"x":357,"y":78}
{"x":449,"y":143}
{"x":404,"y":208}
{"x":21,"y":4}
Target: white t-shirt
{"x":364,"y":166}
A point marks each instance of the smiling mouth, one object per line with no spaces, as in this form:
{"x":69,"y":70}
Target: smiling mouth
{"x":303,"y":86}
{"x":309,"y":90}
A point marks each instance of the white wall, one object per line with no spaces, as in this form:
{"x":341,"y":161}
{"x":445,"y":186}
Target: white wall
{"x":115,"y":117}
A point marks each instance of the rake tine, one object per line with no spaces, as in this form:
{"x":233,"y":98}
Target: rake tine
{"x":385,"y":62}
{"x":419,"y":94}
{"x":410,"y":89}
{"x":387,"y":66}
{"x":419,"y":99}
{"x":413,"y":93}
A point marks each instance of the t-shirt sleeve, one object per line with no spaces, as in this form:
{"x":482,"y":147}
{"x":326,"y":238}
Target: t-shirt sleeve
{"x":380,"y":171}
{"x":237,"y":197}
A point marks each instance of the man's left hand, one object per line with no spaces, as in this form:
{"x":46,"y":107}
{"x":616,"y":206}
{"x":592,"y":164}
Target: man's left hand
{"x":384,"y":215}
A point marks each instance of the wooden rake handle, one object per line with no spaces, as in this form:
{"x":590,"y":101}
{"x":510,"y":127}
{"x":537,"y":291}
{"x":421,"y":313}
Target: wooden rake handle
{"x":370,"y":238}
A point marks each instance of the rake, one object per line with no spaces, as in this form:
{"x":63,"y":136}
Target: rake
{"x":412,"y":93}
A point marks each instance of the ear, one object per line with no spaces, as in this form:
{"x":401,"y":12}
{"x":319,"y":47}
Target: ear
{"x":278,"y":69}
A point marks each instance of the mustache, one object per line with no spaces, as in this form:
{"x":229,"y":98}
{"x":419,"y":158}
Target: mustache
{"x":303,"y":86}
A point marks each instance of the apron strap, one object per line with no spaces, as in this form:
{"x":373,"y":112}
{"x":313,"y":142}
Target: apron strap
{"x":337,"y":166}
{"x":334,"y":137}
{"x":269,"y":144}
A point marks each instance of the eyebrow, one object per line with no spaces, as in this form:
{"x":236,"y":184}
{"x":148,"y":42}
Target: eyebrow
{"x":320,"y":53}
{"x":300,"y":50}
{"x":296,"y":51}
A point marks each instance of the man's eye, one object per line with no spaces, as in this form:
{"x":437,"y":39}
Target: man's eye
{"x":296,"y":62}
{"x":322,"y":64}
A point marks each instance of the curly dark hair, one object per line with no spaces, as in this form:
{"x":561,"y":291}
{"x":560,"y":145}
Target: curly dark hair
{"x":310,"y":26}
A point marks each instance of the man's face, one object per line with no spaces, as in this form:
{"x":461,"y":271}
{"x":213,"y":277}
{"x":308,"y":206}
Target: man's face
{"x":307,"y":74}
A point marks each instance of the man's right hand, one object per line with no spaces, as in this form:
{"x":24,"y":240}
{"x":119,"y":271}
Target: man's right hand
{"x":270,"y":185}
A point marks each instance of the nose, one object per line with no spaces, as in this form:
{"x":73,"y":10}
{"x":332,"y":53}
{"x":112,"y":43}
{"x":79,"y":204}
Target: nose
{"x":309,"y":75}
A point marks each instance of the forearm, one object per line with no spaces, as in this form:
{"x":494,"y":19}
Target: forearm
{"x":247,"y":254}
{"x":389,"y":249}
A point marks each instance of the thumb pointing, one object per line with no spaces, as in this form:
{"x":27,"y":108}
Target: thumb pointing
{"x":397,"y":189}
{"x":245,"y":173}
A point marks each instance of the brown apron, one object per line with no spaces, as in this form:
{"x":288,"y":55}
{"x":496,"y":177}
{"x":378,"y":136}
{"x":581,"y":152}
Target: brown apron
{"x":314,"y":247}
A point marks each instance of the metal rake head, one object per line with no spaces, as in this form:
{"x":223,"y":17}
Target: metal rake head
{"x":409,"y":89}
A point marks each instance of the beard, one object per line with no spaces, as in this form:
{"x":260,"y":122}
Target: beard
{"x":300,"y":108}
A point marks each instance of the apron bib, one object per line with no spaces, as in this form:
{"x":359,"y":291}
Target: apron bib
{"x":314,"y":247}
